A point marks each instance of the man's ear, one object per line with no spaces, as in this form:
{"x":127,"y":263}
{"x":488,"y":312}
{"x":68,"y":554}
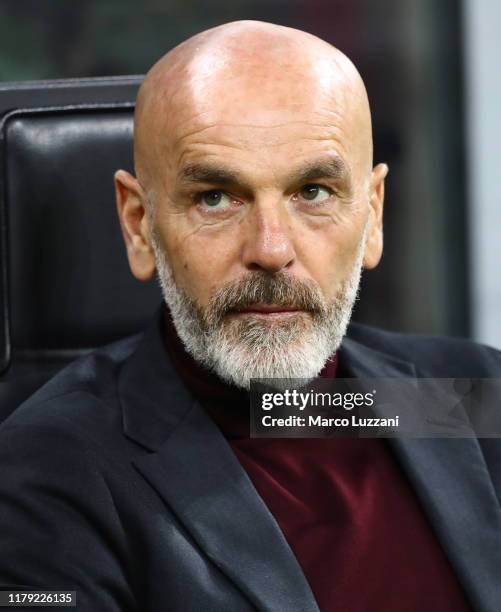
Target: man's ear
{"x":131,"y":203}
{"x":374,"y":246}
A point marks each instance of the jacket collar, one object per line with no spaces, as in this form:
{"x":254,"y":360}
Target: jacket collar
{"x":193,"y":468}
{"x":452,"y":483}
{"x":153,"y":398}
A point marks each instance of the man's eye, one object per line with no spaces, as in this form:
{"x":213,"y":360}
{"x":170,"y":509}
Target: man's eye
{"x":215,"y":198}
{"x":314,"y":193}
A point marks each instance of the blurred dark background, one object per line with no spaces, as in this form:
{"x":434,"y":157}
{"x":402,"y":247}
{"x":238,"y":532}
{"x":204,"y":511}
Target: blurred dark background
{"x":409,"y":53}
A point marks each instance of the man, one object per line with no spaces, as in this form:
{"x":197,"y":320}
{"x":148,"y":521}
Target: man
{"x":130,"y":477}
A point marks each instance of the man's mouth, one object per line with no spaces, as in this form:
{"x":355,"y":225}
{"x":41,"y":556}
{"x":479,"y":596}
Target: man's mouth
{"x":267,"y":310}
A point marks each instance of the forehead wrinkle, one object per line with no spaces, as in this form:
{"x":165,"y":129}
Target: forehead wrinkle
{"x":264,"y":126}
{"x":250,"y":136}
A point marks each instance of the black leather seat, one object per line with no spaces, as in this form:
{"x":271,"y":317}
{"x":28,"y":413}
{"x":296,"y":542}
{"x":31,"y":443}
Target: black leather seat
{"x":65,"y":286}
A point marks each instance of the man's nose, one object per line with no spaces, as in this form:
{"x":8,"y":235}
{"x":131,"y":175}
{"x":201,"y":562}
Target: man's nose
{"x":268,"y":245}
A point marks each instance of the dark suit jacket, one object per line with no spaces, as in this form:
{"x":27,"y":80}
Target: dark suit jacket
{"x":115,"y":483}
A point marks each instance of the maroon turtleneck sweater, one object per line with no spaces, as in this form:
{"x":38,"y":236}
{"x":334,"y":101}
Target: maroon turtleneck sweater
{"x":343,"y":505}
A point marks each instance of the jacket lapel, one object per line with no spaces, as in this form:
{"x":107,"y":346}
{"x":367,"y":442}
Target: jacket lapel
{"x":194,"y":470}
{"x":452,"y":482}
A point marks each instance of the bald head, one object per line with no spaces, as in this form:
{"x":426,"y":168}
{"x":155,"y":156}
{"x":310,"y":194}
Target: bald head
{"x":249,"y":73}
{"x":253,"y":154}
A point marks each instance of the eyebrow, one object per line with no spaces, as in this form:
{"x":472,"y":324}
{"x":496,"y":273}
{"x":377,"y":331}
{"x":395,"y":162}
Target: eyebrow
{"x":201,"y":173}
{"x":332,"y":167}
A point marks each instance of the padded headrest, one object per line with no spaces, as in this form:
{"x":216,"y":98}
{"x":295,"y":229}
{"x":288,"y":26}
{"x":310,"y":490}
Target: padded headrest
{"x":70,"y":286}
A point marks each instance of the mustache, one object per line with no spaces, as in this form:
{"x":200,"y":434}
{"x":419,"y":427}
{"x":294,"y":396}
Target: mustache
{"x":280,"y":289}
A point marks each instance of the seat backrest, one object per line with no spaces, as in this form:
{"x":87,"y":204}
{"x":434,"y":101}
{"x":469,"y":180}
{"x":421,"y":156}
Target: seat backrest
{"x":66,"y":286}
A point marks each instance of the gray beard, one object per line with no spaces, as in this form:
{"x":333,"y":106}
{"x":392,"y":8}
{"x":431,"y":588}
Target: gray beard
{"x":239,"y":349}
